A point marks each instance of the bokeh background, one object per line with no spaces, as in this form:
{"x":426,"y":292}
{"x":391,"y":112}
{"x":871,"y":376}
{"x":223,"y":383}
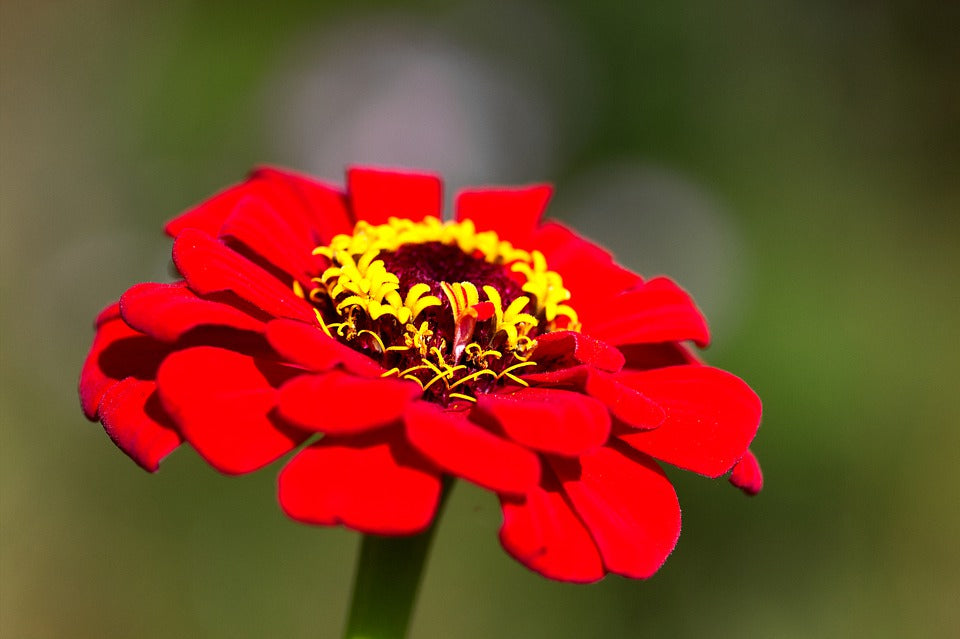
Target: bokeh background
{"x":795,"y":164}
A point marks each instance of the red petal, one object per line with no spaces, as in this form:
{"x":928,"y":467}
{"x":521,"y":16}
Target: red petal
{"x":223,"y":404}
{"x":260,"y":228}
{"x":632,"y":407}
{"x":111,"y":312}
{"x":323,"y":204}
{"x":167,"y":311}
{"x":483,"y":310}
{"x":209,"y":215}
{"x":308,"y":346}
{"x":553,"y":421}
{"x":747,"y":475}
{"x":659,"y":311}
{"x":568,"y":348}
{"x":373,"y":483}
{"x":712,"y":416}
{"x":377,"y":195}
{"x":117,"y":352}
{"x":462,"y":448}
{"x":512,"y":212}
{"x":313,"y":210}
{"x":627,"y":504}
{"x":646,"y":356}
{"x":338,"y":403}
{"x":210,"y":267}
{"x":559,"y":243}
{"x":544,"y":534}
{"x":588,"y":271}
{"x":137,"y":424}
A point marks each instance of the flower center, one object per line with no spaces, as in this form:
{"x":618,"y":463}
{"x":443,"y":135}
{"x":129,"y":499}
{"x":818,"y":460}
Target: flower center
{"x":455,"y":310}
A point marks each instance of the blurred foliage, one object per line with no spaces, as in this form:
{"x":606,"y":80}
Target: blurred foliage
{"x":829,"y":130}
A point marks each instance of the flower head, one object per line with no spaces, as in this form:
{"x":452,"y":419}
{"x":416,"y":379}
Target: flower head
{"x":390,"y":348}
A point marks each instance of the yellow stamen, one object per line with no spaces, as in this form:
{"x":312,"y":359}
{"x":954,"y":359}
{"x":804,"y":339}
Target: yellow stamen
{"x":376,"y":338}
{"x":440,"y":375}
{"x":510,"y":369}
{"x":397,"y":348}
{"x":514,"y":378}
{"x":326,"y":330}
{"x":416,"y":302}
{"x":416,"y":368}
{"x":472,"y":376}
{"x":298,"y":290}
{"x":414,"y":378}
{"x":547,"y":287}
{"x":416,"y":338}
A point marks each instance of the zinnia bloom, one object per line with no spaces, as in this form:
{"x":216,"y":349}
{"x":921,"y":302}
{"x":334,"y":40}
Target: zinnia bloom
{"x":389,"y":349}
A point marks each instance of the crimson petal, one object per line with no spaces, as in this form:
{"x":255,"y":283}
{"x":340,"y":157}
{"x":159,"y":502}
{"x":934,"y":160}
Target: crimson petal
{"x":167,"y":311}
{"x":544,"y":534}
{"x":372,"y":483}
{"x":627,"y":404}
{"x":210,"y":267}
{"x":258,"y":226}
{"x":210,"y":214}
{"x":133,"y":418}
{"x":567,"y":348}
{"x":312,"y":209}
{"x":549,"y":420}
{"x":646,"y":356}
{"x":324,"y":205}
{"x":588,"y":271}
{"x":308,"y":346}
{"x":658,"y":311}
{"x":458,"y":446}
{"x":223,"y":403}
{"x":712,"y":416}
{"x":117,"y":352}
{"x":377,"y":195}
{"x":512,"y":212}
{"x":339,"y":403}
{"x":747,"y":475}
{"x":627,"y":504}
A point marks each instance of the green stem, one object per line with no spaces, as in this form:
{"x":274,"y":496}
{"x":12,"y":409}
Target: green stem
{"x":387,"y":580}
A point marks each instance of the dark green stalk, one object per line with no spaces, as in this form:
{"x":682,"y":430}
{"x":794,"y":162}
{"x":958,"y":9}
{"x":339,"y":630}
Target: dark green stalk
{"x":387,"y":581}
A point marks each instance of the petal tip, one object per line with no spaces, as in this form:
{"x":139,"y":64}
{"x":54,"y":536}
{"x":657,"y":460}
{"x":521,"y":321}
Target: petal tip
{"x":747,"y":475}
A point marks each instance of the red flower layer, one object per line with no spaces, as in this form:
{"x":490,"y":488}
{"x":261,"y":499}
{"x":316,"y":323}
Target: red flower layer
{"x":232,"y":361}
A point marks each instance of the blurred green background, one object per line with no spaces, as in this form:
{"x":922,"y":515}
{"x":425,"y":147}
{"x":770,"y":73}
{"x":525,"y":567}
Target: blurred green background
{"x":795,"y":164}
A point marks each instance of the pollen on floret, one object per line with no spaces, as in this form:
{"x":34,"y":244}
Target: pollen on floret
{"x":438,"y":303}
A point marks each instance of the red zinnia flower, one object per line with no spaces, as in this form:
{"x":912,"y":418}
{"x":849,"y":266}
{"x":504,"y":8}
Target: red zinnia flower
{"x":496,"y":348}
